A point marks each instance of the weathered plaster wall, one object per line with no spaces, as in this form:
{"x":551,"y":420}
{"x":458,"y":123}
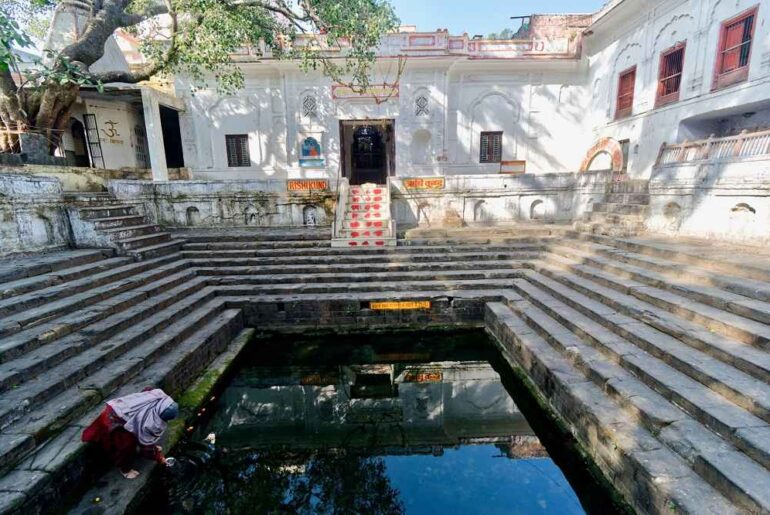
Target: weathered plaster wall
{"x":32,"y":215}
{"x":75,"y":178}
{"x":496,"y":199}
{"x":727,"y":200}
{"x":226,"y":203}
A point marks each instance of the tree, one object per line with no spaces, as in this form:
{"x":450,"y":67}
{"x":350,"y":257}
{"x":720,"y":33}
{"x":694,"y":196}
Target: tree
{"x":191,"y":37}
{"x":506,"y":33}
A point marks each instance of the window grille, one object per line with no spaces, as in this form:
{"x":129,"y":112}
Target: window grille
{"x":491,"y":147}
{"x":734,"y":51}
{"x":625,"y":100}
{"x":421,"y":106}
{"x":141,"y":147}
{"x":237,"y":150}
{"x":670,"y":75}
{"x":309,"y":107}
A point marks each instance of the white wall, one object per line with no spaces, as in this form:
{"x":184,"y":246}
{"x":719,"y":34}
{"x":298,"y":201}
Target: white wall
{"x":635,"y":33}
{"x":538,"y":111}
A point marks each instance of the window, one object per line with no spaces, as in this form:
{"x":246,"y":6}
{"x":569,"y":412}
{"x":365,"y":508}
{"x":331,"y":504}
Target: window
{"x":421,"y":106}
{"x":670,"y":75}
{"x":625,"y":100}
{"x":141,"y":147}
{"x":491,"y":147}
{"x":309,"y":107}
{"x":732,"y":65}
{"x":237,"y":150}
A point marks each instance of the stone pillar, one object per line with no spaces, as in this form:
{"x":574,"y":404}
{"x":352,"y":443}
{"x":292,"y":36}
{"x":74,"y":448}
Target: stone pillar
{"x":154,"y":131}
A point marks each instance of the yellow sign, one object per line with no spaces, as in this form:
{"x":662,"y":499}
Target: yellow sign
{"x":400,"y":304}
{"x":307,"y":184}
{"x":423,"y":377}
{"x":424,"y":183}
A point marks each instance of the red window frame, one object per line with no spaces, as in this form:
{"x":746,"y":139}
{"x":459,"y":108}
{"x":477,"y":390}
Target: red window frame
{"x":731,"y":51}
{"x":670,"y":74}
{"x":624,"y":100}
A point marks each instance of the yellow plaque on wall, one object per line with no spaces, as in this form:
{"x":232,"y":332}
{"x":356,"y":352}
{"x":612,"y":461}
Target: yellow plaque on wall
{"x":400,"y":304}
{"x":424,"y":183}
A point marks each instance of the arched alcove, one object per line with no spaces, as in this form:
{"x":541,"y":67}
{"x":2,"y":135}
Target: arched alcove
{"x":672,"y":212}
{"x":537,"y":210}
{"x":192,"y":216}
{"x":309,"y":216}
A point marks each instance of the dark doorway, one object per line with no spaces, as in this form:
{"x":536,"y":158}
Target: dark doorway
{"x":368,"y":150}
{"x":80,"y":146}
{"x":172,"y":138}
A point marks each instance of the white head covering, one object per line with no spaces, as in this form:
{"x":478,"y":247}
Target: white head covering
{"x":141,"y":411}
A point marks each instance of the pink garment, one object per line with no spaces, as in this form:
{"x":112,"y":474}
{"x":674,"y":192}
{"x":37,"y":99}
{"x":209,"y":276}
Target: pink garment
{"x":141,"y":411}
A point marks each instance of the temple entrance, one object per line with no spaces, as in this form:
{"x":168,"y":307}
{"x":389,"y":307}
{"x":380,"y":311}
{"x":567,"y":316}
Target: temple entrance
{"x":368,"y":150}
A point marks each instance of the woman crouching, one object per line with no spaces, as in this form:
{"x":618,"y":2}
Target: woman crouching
{"x":132,"y":425}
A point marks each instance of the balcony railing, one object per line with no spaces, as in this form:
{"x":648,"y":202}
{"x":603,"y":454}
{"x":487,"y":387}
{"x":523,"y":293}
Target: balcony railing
{"x":743,"y":145}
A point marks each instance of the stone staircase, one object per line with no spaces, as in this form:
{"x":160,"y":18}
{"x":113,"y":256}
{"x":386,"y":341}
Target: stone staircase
{"x":99,"y":220}
{"x":659,"y":361}
{"x":365,"y":218}
{"x":654,"y":353}
{"x":625,"y":207}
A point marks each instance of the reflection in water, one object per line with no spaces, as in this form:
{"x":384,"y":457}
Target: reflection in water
{"x":417,"y":424}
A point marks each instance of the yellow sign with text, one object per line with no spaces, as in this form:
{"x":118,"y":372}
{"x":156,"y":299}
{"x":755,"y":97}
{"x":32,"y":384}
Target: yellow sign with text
{"x":400,"y":304}
{"x":307,"y":184}
{"x":424,"y":183}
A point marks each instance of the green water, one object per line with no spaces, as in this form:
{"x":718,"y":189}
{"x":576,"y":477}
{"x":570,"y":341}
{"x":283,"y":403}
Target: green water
{"x":370,"y":424}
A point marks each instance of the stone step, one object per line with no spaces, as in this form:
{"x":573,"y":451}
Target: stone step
{"x":635,"y":393}
{"x":366,"y":224}
{"x":44,"y":309}
{"x":173,"y":246}
{"x":124,"y":269}
{"x":372,"y":189}
{"x":234,"y":286}
{"x":257,"y":245}
{"x":657,"y":326}
{"x":30,"y":339}
{"x":39,"y":282}
{"x":720,"y":397}
{"x":737,"y":304}
{"x":629,"y":186}
{"x":368,"y":198}
{"x":264,"y":235}
{"x":243,"y":258}
{"x":652,"y":477}
{"x":55,"y":466}
{"x":161,"y":294}
{"x":234,"y":277}
{"x":123,"y":233}
{"x":474,"y":241}
{"x":362,"y":216}
{"x":143,"y":241}
{"x":353,"y":234}
{"x":94,"y":381}
{"x":730,"y":262}
{"x":694,"y":274}
{"x":330,"y":251}
{"x":628,"y":198}
{"x":627,"y":220}
{"x":16,"y":268}
{"x":621,"y":209}
{"x":714,"y":319}
{"x":299,"y":272}
{"x":611,"y":231}
{"x":106,"y":211}
{"x":118,"y":221}
{"x":363,"y":241}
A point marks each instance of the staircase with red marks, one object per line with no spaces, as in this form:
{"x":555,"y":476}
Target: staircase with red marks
{"x":365,"y":218}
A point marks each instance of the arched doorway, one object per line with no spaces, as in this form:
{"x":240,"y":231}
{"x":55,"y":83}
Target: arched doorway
{"x":80,"y":146}
{"x":368,"y":151}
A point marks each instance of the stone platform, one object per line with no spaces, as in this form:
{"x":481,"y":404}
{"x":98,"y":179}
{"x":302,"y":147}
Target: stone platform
{"x":653,"y":352}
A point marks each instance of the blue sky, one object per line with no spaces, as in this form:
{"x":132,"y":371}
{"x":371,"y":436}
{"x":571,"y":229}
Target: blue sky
{"x":481,"y":16}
